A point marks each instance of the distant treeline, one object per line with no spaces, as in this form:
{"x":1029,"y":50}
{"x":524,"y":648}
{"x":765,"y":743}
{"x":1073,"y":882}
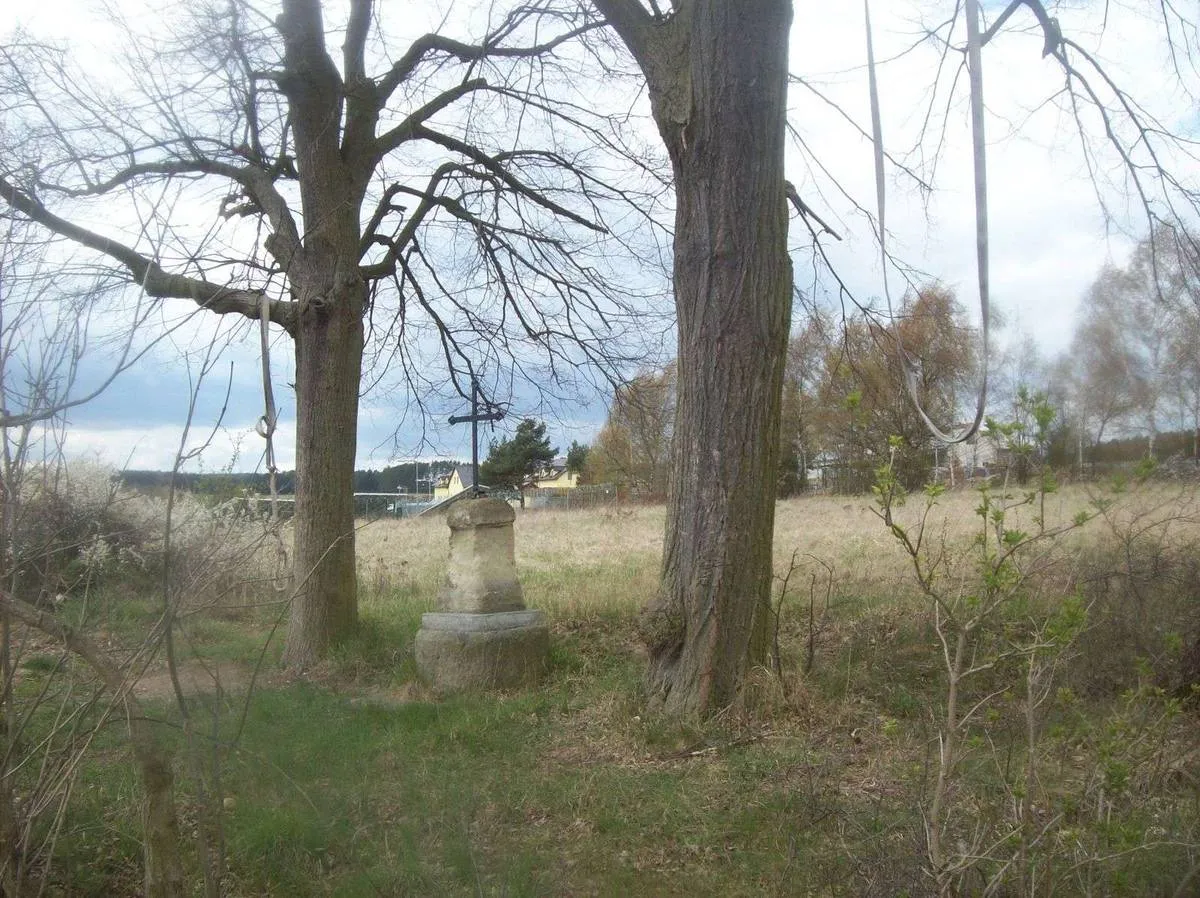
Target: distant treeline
{"x":409,"y":477}
{"x":1166,"y":445}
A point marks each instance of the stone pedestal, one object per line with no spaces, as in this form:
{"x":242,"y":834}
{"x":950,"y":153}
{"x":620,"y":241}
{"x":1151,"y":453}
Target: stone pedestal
{"x":482,"y":636}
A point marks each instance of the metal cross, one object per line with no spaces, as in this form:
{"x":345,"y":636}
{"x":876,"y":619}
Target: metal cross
{"x":475,"y":417}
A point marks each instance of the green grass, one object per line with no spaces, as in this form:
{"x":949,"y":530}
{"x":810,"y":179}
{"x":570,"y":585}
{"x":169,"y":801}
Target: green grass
{"x":357,"y":782}
{"x":561,"y":790}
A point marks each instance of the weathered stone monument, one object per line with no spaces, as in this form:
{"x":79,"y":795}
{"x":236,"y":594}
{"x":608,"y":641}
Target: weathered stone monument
{"x":482,"y":636}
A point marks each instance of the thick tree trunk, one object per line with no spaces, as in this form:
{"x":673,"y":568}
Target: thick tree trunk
{"x":329,"y":344}
{"x":733,"y":281}
{"x":330,"y":296}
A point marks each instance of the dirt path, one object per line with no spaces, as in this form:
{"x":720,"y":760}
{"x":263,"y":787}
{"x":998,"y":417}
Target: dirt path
{"x":195,"y":678}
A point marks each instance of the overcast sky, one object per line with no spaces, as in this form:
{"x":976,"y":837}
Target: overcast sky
{"x":1049,"y":233}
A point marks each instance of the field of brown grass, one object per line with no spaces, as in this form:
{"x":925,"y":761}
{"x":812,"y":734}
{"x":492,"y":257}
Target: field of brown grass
{"x":580,"y":563}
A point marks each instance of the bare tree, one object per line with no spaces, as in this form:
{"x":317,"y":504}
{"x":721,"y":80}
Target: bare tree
{"x":1150,"y":312}
{"x":425,"y":202}
{"x":1102,"y":371}
{"x":713,"y":76}
{"x":861,"y":402}
{"x":47,"y":328}
{"x":634,"y":447}
{"x":808,"y":351}
{"x":1170,"y":268}
{"x":1185,"y":368}
{"x":1127,"y":350}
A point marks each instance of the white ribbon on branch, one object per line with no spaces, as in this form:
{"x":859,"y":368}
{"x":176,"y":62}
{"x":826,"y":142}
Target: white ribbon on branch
{"x":265,"y":427}
{"x":975,"y":73}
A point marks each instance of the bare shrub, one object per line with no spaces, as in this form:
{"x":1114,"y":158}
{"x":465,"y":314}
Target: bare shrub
{"x":65,"y":530}
{"x":1032,"y":791}
{"x":1142,"y":578}
{"x":84,"y":547}
{"x":77,"y":526}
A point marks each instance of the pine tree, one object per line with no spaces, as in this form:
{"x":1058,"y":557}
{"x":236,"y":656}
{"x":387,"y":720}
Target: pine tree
{"x":577,"y":457}
{"x":511,"y":463}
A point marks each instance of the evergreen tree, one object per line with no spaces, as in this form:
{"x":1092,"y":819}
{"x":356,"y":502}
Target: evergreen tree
{"x":511,"y":463}
{"x":577,"y":457}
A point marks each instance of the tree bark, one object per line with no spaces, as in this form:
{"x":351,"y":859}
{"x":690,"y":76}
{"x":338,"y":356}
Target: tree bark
{"x":163,"y":864}
{"x":717,"y":74}
{"x":329,"y":346}
{"x":330,"y":295}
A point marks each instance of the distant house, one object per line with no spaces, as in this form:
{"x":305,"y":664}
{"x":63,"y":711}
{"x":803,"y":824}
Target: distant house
{"x":555,"y":476}
{"x":453,"y":483}
{"x":978,"y":455}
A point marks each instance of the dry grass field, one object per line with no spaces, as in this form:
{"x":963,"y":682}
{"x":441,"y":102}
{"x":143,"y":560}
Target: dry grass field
{"x":576,"y":564}
{"x":356,"y":781}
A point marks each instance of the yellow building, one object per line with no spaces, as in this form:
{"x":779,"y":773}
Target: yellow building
{"x":556,"y":476}
{"x":453,"y":483}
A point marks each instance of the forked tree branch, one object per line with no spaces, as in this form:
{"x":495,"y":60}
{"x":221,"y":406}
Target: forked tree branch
{"x":283,"y":244}
{"x":407,"y":129}
{"x":493,"y":165}
{"x":653,"y":38}
{"x":1050,"y":30}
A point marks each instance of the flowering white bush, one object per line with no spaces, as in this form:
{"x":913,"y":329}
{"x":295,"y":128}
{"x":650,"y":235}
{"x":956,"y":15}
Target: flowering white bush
{"x":76,"y":524}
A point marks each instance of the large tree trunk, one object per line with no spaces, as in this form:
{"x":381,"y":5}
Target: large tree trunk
{"x":329,"y":344}
{"x":733,"y":281}
{"x":330,"y":294}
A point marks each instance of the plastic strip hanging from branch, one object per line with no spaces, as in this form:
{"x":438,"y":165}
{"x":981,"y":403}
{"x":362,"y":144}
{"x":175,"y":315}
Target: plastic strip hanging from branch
{"x":975,"y":73}
{"x":265,"y":427}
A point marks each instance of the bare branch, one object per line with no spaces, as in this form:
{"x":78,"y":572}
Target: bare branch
{"x":284,"y":243}
{"x":152,"y":278}
{"x":354,"y":46}
{"x":1050,"y":29}
{"x":802,"y":209}
{"x":407,"y":129}
{"x":492,"y":164}
{"x":632,"y":23}
{"x":429,"y":44}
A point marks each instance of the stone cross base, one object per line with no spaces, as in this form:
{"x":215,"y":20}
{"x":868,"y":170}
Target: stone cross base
{"x":482,"y":637}
{"x":502,"y":650}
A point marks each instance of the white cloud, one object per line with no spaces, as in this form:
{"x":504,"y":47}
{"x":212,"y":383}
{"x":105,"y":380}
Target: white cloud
{"x":155,"y":448}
